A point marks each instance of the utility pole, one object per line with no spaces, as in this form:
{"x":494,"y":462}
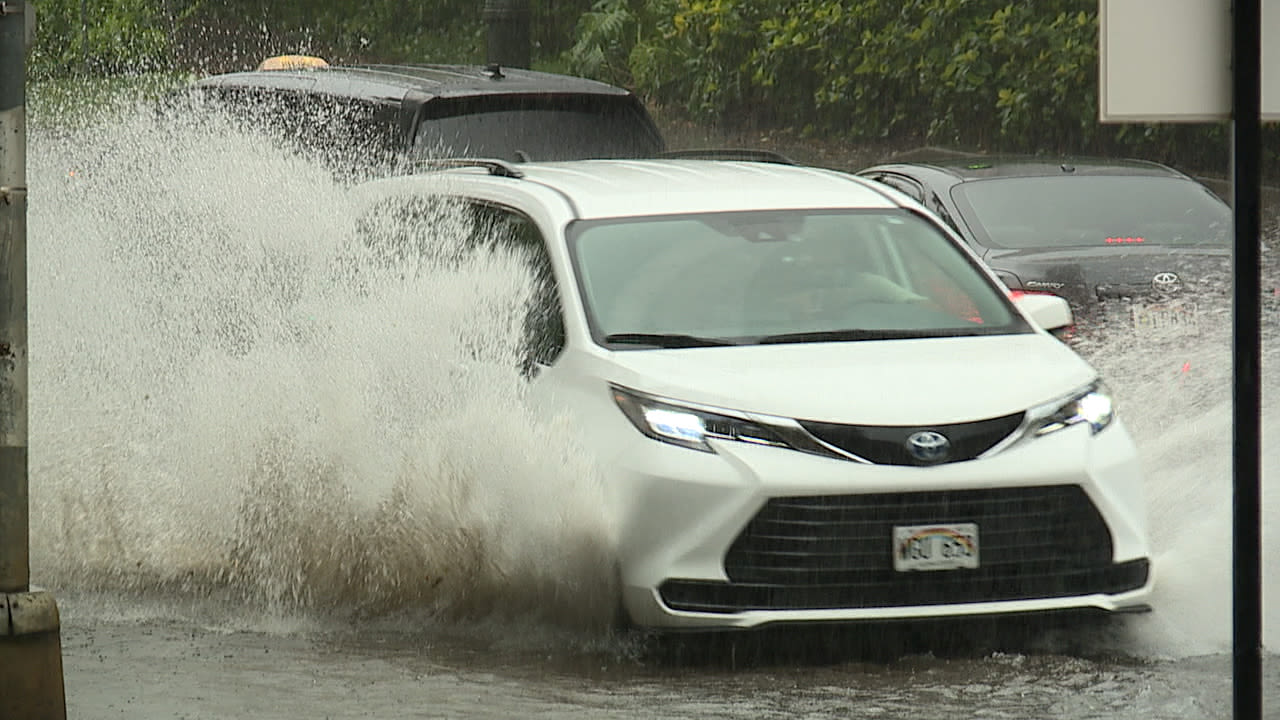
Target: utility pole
{"x":1246,"y":344}
{"x":30,"y":644}
{"x":508,"y":42}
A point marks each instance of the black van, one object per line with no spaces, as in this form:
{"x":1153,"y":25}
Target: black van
{"x":378,"y":117}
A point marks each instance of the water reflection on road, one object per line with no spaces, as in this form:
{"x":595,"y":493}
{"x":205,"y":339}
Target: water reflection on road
{"x":164,"y":669}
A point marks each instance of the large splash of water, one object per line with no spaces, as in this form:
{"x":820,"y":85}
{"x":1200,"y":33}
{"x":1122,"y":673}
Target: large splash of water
{"x":230,"y":395}
{"x":1174,"y":390}
{"x":229,"y":398}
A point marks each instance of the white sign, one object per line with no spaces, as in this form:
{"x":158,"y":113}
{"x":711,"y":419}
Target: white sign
{"x":1170,"y":60}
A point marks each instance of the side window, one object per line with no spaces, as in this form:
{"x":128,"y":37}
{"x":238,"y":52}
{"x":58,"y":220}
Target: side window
{"x":404,"y":232}
{"x":544,"y":336}
{"x":902,"y":183}
{"x":353,"y":140}
{"x":937,"y":208}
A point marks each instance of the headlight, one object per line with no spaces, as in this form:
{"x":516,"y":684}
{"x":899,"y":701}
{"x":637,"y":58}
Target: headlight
{"x":689,"y":426}
{"x":1092,"y":406}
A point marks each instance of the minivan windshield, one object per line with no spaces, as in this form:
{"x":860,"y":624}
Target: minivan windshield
{"x":1086,"y":210}
{"x":780,"y":276}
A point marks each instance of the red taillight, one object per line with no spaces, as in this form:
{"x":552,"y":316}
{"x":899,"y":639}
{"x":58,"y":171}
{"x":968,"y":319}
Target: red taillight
{"x":1125,"y":240}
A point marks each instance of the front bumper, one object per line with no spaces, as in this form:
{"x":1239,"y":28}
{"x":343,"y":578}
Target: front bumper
{"x":720,"y":540}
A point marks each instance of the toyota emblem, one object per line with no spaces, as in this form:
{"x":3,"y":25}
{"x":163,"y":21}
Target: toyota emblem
{"x":928,"y":446}
{"x":1166,"y":282}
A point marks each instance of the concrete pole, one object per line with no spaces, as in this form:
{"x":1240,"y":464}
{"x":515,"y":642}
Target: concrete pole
{"x":30,"y":644}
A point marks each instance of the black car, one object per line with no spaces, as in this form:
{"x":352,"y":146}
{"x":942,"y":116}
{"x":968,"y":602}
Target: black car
{"x":379,"y":116}
{"x":1130,"y":244}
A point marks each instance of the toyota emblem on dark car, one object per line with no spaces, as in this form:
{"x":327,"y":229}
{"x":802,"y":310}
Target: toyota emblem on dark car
{"x":1166,"y":282}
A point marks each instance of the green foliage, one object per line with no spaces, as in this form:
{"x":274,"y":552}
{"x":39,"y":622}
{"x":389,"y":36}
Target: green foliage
{"x":983,"y":74}
{"x":950,"y":70}
{"x":109,"y":37}
{"x":98,"y":36}
{"x":605,"y":36}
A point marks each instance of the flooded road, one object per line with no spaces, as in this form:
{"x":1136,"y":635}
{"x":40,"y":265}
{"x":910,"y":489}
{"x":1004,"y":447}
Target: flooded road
{"x":169,"y":669}
{"x":276,"y":477}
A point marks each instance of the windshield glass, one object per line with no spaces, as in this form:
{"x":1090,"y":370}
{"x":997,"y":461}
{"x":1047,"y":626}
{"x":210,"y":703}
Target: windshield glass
{"x":1089,"y":210}
{"x":780,"y":276}
{"x":543,"y":128}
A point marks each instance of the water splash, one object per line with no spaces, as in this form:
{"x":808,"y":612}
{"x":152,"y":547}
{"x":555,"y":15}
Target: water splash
{"x":231,"y":396}
{"x":1174,"y":391}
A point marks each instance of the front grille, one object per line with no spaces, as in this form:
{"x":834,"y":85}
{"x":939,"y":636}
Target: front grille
{"x":835,"y":551}
{"x":887,"y":444}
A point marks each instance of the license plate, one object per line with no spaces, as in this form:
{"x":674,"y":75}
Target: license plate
{"x":935,"y":547}
{"x":1164,"y":317}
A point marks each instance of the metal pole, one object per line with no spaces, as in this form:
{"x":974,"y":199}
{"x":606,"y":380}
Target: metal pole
{"x":84,"y":36}
{"x":14,"y":568}
{"x":508,"y":34}
{"x":30,"y":648}
{"x":1246,"y":148}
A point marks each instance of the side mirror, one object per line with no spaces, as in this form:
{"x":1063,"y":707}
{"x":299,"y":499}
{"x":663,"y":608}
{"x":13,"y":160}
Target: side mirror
{"x":1048,"y":311}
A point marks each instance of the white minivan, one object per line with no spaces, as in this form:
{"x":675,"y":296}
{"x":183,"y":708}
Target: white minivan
{"x":811,"y":401}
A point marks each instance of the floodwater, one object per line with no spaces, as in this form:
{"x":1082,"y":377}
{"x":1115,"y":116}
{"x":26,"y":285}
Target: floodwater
{"x":276,"y":474}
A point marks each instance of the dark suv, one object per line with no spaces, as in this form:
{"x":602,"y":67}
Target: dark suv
{"x":377,"y":117}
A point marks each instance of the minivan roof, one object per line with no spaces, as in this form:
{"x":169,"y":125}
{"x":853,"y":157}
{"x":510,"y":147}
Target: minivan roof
{"x":628,"y":188}
{"x":392,"y":82}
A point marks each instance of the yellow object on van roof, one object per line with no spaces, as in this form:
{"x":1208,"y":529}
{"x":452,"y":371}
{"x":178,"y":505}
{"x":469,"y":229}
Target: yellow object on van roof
{"x":292,"y":62}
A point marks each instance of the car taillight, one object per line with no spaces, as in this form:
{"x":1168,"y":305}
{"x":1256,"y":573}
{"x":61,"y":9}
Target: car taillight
{"x":1015,"y":294}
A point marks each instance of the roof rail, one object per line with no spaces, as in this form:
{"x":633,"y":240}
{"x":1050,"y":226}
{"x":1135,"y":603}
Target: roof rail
{"x":742,"y":154}
{"x":499,"y":168}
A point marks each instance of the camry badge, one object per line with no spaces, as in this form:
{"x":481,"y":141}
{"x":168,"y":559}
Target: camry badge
{"x":1166,"y":282}
{"x":1044,"y":285}
{"x":928,"y":446}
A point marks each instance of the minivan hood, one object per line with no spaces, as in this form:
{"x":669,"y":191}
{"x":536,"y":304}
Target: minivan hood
{"x":883,"y":382}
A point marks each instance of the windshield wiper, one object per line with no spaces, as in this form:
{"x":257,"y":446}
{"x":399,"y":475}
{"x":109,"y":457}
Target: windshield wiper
{"x":845,"y":335}
{"x":665,"y":340}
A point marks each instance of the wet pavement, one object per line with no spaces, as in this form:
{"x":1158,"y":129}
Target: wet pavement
{"x":175,"y":669}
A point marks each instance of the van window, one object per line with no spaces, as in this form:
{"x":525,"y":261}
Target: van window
{"x":544,"y":334}
{"x":541,"y":128}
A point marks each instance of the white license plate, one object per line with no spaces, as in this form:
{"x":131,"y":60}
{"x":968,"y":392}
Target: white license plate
{"x":1164,"y":317}
{"x":935,"y":547}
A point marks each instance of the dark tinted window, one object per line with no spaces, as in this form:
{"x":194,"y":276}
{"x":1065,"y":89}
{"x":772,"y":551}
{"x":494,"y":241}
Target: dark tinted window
{"x":544,"y":336}
{"x":1044,"y":212}
{"x":354,"y":139}
{"x":538,"y":128}
{"x":406,"y":234}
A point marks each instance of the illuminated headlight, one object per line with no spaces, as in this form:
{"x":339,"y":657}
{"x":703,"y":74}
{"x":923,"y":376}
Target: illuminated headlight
{"x":1092,"y":406}
{"x":689,"y":426}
